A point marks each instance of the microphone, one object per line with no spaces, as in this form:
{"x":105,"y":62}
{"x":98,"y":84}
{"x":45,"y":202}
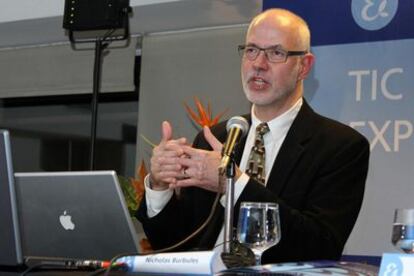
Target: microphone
{"x":237,"y":128}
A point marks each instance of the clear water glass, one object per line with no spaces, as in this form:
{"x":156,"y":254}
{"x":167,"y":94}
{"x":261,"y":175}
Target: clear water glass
{"x":403,"y":230}
{"x":258,"y":226}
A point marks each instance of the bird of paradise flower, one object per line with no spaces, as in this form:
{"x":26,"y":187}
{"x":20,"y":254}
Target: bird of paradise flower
{"x":204,"y":116}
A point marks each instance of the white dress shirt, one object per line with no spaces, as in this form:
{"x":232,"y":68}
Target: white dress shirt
{"x":279,"y":127}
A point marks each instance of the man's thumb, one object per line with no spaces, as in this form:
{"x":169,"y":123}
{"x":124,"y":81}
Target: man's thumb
{"x":166,"y":131}
{"x":212,"y":140}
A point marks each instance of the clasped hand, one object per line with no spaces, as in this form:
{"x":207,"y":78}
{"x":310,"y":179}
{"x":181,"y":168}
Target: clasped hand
{"x":175,"y":164}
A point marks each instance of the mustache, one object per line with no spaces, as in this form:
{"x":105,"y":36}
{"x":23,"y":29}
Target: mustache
{"x":252,"y":76}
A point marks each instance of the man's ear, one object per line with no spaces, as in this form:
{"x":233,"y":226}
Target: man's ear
{"x":307,"y":62}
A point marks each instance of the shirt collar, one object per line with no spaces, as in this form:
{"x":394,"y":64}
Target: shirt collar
{"x":280,"y":125}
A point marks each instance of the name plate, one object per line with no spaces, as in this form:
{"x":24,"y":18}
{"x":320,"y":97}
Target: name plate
{"x":393,"y":264}
{"x":195,"y":263}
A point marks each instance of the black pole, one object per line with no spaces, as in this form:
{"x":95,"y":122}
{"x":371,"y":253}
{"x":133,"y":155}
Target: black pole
{"x":99,"y":47}
{"x":229,"y":208}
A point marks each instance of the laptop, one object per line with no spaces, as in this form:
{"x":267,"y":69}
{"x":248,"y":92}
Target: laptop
{"x":10,"y":249}
{"x":73,"y":215}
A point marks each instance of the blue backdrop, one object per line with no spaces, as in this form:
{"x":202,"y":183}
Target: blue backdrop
{"x":364,"y":77}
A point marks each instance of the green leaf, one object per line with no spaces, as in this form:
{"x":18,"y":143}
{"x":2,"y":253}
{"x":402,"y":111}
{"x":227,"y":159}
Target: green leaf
{"x":129,"y":195}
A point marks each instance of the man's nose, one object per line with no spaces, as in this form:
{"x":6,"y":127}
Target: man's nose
{"x":261,"y":61}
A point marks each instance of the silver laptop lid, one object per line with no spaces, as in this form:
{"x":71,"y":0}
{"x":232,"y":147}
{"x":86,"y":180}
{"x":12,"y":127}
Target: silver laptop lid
{"x":79,"y":215}
{"x":10,"y":250}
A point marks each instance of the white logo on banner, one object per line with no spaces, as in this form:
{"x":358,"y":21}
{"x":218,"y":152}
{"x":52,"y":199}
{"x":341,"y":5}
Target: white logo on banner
{"x":373,"y":15}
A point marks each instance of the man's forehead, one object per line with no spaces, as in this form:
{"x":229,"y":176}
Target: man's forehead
{"x":266,"y":37}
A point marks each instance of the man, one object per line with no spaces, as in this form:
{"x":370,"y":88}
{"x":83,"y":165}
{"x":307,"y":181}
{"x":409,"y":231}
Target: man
{"x":314,"y":168}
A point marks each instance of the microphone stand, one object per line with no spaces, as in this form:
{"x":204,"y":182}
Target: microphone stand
{"x":229,"y":208}
{"x":234,"y":254}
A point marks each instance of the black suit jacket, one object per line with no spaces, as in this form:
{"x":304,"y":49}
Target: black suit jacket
{"x":318,"y":180}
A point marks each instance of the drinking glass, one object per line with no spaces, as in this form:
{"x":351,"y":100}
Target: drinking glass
{"x":258,"y":226}
{"x":403,"y":230}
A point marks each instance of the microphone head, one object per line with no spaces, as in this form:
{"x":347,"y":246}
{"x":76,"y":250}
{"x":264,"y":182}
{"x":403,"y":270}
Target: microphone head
{"x":238,"y":122}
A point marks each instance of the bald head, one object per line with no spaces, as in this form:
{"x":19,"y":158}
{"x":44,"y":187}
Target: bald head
{"x":287,"y":22}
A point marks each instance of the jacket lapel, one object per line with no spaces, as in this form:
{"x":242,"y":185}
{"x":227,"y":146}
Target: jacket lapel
{"x":292,"y":148}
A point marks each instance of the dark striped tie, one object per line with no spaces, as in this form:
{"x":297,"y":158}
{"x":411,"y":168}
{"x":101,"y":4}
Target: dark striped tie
{"x":257,"y":158}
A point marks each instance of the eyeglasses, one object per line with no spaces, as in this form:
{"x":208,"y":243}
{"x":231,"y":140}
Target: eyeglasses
{"x":275,"y":54}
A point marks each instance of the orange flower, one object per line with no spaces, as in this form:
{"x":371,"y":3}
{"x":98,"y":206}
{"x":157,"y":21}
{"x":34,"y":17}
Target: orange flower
{"x":138,"y":183}
{"x":138,"y":186}
{"x":204,"y":117}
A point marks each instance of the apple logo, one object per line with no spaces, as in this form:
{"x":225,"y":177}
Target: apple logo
{"x":66,"y":221}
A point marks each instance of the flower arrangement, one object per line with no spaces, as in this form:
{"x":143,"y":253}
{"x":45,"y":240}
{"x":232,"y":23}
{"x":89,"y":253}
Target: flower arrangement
{"x":133,"y":190}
